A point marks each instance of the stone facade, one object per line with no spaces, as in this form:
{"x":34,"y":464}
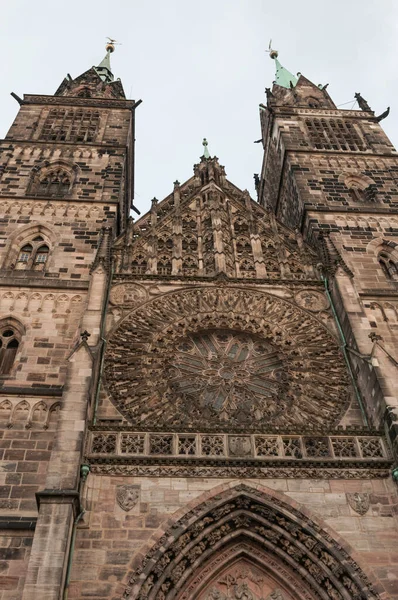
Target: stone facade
{"x":200,"y":404}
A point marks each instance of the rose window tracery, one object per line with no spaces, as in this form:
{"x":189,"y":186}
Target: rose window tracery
{"x":229,"y":373}
{"x":216,"y":358}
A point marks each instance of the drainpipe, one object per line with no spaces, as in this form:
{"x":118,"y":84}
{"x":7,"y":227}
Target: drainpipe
{"x":344,"y":349}
{"x":84,"y":471}
{"x":103,"y":346}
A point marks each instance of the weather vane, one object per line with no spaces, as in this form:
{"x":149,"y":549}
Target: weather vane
{"x":272,"y":53}
{"x":110,"y":46}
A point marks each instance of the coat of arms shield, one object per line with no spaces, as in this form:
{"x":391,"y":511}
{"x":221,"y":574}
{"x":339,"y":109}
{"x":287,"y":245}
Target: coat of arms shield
{"x":359,"y":502}
{"x":127,"y":496}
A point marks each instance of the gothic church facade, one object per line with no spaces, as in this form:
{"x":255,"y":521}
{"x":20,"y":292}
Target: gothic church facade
{"x":200,"y":404}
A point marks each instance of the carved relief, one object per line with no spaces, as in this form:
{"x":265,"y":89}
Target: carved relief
{"x":127,"y":294}
{"x":243,"y":581}
{"x":292,"y":553}
{"x":127,"y":496}
{"x":227,"y":355}
{"x":359,"y":502}
{"x":208,"y":227}
{"x":311,"y":300}
{"x":240,"y":445}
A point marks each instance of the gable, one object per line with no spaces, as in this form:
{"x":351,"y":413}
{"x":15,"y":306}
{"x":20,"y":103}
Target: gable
{"x":208,"y":227}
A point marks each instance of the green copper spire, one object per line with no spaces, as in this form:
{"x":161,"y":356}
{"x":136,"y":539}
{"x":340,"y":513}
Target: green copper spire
{"x":283,"y":77}
{"x":104,"y":68}
{"x":205,"y":150}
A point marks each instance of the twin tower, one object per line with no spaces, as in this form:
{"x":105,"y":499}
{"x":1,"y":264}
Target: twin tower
{"x":201,"y":404}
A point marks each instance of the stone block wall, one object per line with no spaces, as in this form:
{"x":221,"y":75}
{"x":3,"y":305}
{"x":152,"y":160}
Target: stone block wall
{"x":111,"y":541}
{"x":15,"y":546}
{"x":71,"y":231}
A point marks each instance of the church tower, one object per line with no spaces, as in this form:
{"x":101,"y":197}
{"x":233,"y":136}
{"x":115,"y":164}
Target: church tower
{"x":193,"y":408}
{"x":332,"y":175}
{"x":66,"y":188}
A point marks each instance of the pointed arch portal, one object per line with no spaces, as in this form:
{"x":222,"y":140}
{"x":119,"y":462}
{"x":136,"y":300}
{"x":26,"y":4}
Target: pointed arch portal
{"x":245,"y":544}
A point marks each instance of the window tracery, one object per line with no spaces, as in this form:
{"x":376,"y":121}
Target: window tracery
{"x":33,"y":256}
{"x":217,"y":372}
{"x":389,"y":265}
{"x":334,"y":134}
{"x":51,"y":180}
{"x":224,"y":370}
{"x":71,"y":125}
{"x":139,"y":264}
{"x":10,"y":337}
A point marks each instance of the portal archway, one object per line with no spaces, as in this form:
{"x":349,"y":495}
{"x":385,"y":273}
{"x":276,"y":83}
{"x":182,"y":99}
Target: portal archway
{"x":244,"y":528}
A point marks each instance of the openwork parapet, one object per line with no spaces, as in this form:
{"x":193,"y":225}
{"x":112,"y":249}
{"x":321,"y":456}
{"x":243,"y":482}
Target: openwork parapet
{"x":189,"y":450}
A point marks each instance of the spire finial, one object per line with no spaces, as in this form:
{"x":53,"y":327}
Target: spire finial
{"x":205,"y":143}
{"x":272,"y":53}
{"x":104,"y":68}
{"x":110,"y":46}
{"x":283,"y":77}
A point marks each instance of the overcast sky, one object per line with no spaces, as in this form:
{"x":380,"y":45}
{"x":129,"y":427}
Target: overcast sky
{"x":200,"y":68}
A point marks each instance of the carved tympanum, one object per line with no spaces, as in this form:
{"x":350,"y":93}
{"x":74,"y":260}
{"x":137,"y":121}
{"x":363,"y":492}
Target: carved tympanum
{"x":222,"y":356}
{"x":243,"y":581}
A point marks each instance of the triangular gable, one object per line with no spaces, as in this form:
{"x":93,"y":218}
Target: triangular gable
{"x":208,"y":226}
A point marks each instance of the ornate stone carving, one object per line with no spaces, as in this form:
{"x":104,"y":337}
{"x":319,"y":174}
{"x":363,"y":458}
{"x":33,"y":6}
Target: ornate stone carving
{"x":227,"y":356}
{"x":312,"y":300}
{"x":127,"y":496}
{"x":232,"y":471}
{"x":225,"y":371}
{"x":286,"y":544}
{"x":104,"y":443}
{"x":370,"y":447}
{"x":240,"y":445}
{"x":127,"y":294}
{"x":359,"y":502}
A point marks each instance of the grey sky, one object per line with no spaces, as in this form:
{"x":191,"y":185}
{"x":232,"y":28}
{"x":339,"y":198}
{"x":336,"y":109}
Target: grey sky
{"x":200,"y":68}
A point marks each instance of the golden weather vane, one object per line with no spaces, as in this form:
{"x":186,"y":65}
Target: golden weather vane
{"x":110,"y":46}
{"x":272,"y":53}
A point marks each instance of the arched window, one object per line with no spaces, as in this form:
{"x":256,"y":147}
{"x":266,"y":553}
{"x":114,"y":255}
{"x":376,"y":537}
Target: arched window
{"x":40,"y":258}
{"x":9,"y":344}
{"x":361,"y":188}
{"x":33,"y":256}
{"x":389,"y":266}
{"x":53,"y":183}
{"x":24,"y":257}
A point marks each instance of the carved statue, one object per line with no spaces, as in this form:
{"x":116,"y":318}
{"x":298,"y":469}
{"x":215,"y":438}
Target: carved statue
{"x":363,"y":105}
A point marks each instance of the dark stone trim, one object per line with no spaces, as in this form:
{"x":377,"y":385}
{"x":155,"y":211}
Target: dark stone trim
{"x":224,"y":462}
{"x":33,"y":281}
{"x":40,"y":390}
{"x":242,"y":471}
{"x":358,"y":430}
{"x":74,"y":101}
{"x":378,"y":293}
{"x":366,"y":209}
{"x":18,"y":523}
{"x":214,"y":279}
{"x":60,"y":497}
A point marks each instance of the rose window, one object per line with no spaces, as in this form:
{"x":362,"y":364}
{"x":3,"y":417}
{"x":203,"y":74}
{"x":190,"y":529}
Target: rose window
{"x":228,"y":375}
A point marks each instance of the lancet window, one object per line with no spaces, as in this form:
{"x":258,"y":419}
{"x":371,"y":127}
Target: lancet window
{"x":389,"y":266}
{"x":10,"y":338}
{"x":56,"y":182}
